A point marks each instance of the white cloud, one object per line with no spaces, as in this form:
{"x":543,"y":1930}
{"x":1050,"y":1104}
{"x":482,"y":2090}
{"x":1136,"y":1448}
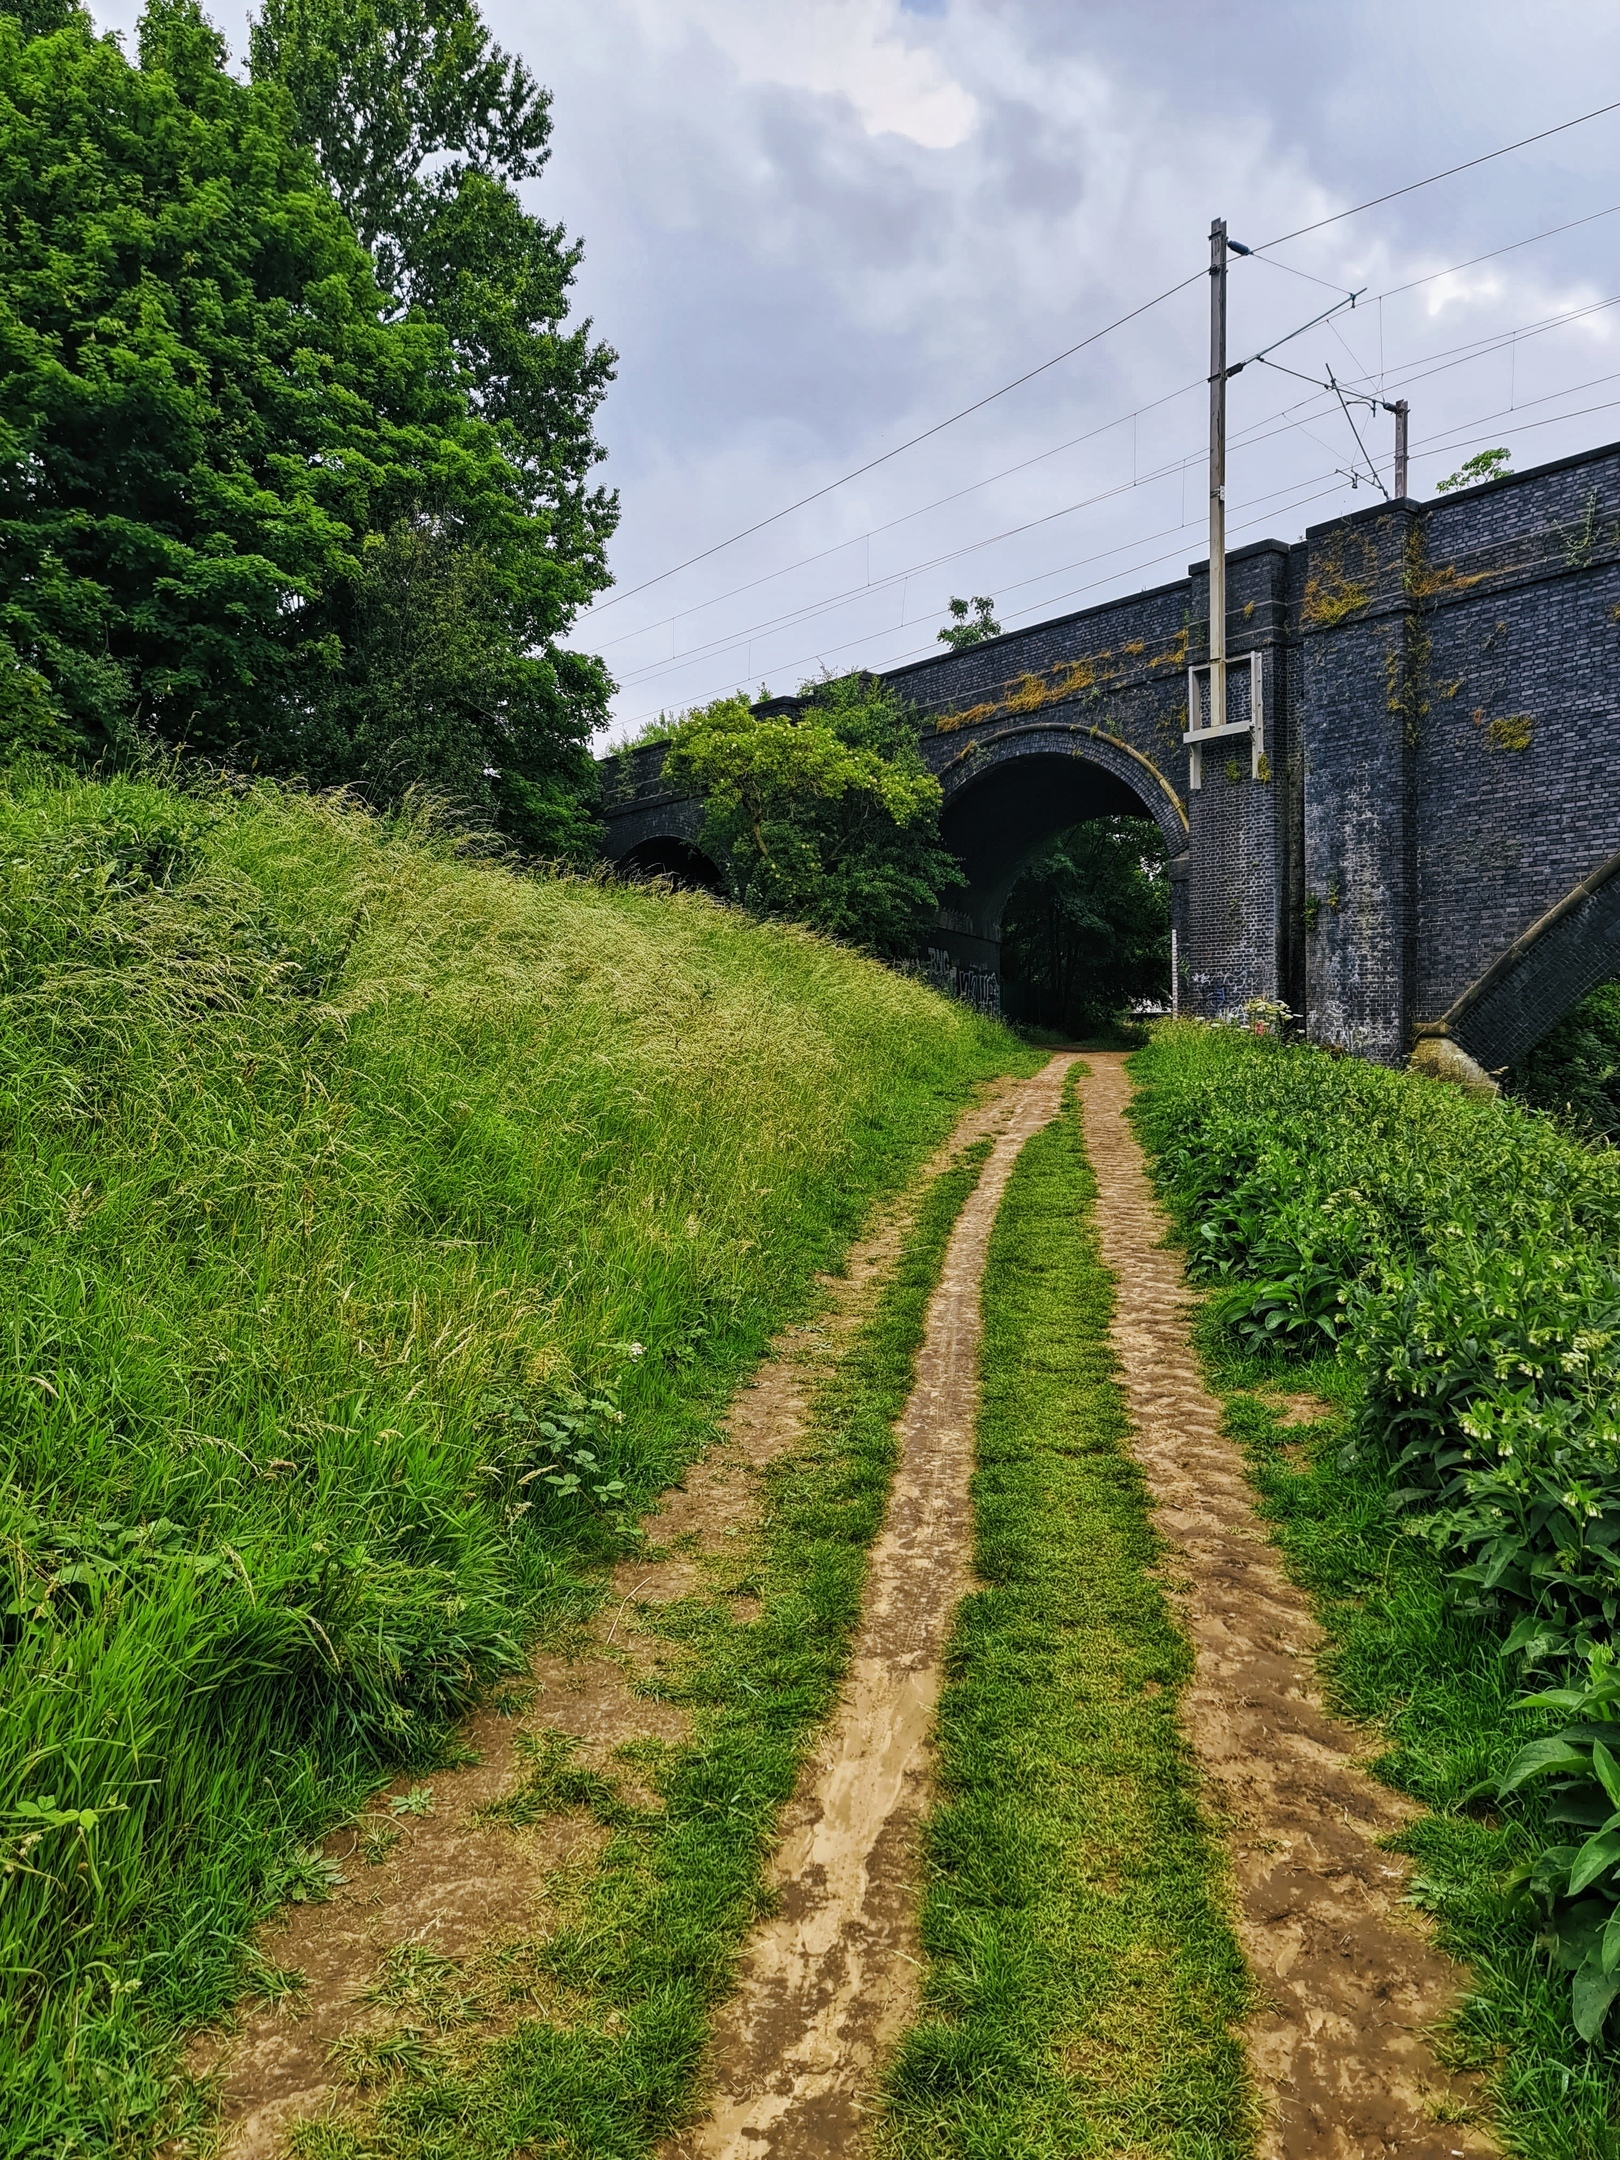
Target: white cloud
{"x":857,"y":50}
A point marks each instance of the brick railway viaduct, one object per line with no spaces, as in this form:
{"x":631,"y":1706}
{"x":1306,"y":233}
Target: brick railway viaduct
{"x":1418,"y":838}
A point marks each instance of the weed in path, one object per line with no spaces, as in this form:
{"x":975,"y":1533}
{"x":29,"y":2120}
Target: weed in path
{"x":1084,"y":1985}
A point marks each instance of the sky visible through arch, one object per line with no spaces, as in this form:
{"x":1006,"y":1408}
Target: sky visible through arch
{"x":815,"y":227}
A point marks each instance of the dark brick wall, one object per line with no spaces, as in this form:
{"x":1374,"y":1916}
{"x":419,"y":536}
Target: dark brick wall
{"x":1516,"y":780}
{"x":1453,"y":803}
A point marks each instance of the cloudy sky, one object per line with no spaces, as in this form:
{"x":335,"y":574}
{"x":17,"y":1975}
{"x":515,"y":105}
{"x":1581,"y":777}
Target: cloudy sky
{"x":814,"y":228}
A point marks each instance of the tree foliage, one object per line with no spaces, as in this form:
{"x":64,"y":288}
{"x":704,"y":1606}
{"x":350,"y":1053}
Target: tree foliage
{"x":966,"y":629}
{"x":1087,"y":928}
{"x":1575,"y":1071}
{"x":425,"y":130}
{"x":220,"y":442}
{"x":1475,"y":471}
{"x":827,"y":814}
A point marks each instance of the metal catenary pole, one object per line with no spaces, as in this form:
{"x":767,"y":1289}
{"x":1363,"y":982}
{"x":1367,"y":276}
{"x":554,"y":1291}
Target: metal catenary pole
{"x":1217,"y":473}
{"x":1401,"y":410}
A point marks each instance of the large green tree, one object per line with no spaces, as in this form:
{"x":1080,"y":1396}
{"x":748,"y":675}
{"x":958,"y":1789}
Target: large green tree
{"x":426,"y":131}
{"x":224,"y":451}
{"x":825,"y":813}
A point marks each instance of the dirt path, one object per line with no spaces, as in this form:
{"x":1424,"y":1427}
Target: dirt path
{"x":830,"y":1981}
{"x":459,"y":1886}
{"x":1349,"y":1980}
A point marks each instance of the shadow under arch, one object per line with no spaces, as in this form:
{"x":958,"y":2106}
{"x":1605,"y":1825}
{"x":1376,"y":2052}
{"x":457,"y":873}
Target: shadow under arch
{"x":1003,"y":802}
{"x":667,"y":856}
{"x":1542,"y":975}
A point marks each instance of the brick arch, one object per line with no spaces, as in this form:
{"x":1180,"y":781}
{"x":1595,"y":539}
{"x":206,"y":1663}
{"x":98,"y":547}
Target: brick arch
{"x":1542,"y":975}
{"x":1006,"y":793}
{"x":1155,"y":796}
{"x":1005,"y":796}
{"x":671,"y":856}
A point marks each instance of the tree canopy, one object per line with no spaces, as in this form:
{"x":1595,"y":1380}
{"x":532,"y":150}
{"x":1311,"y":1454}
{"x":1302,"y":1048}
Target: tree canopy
{"x":248,"y":499}
{"x":425,"y":131}
{"x":824,"y":812}
{"x":1086,"y":930}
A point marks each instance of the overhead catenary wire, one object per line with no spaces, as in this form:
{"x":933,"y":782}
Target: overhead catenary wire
{"x":1458,"y":436}
{"x":1391,"y":291}
{"x":1486,"y":157}
{"x":872,"y":532}
{"x":922,"y":652}
{"x":1094,"y":337}
{"x":1250,"y":436}
{"x":1056,"y":450}
{"x":911,"y":443}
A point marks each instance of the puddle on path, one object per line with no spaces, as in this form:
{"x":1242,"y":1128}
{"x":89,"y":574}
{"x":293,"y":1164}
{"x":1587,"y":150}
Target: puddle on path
{"x":1349,"y":1980}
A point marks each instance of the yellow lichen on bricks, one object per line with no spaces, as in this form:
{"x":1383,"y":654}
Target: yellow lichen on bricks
{"x":1514,"y":731}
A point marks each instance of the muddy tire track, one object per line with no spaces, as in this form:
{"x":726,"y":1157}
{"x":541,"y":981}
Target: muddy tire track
{"x":831,"y":1980}
{"x":459,"y":1884}
{"x":1350,"y":1983}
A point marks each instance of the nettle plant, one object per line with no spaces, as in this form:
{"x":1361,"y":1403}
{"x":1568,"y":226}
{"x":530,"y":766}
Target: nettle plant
{"x":560,"y":1446}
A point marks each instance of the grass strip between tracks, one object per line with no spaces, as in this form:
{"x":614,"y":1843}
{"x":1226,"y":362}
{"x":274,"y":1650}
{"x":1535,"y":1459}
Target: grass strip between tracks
{"x":1084,"y":1986}
{"x":651,"y":1935}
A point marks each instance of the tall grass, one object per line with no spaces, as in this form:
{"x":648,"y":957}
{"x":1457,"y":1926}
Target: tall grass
{"x":350,"y":1183}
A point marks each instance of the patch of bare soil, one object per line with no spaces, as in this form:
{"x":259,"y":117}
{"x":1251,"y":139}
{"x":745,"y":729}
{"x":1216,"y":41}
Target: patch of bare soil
{"x":831,"y":1979}
{"x":459,"y":1886}
{"x":1298,"y":1409}
{"x":1351,"y":1984}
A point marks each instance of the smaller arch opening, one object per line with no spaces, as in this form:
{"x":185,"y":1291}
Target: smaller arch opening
{"x":678,"y":862}
{"x":1085,"y":931}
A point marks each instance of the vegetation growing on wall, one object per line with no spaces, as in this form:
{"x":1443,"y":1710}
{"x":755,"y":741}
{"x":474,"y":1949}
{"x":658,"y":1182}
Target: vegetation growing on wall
{"x":1086,"y":930}
{"x":1475,"y":471}
{"x":970,"y":628}
{"x":827,"y":815}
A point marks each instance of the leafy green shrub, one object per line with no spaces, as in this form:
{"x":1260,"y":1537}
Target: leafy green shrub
{"x":826,"y":815}
{"x":1463,"y":1251}
{"x":1465,"y":1254}
{"x":1575,"y":1071}
{"x":1574,"y":1888}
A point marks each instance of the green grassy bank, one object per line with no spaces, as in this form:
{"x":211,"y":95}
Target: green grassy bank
{"x":1083,"y":1986}
{"x":1445,"y":1274}
{"x":381,"y":1229}
{"x":651,"y":1934}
